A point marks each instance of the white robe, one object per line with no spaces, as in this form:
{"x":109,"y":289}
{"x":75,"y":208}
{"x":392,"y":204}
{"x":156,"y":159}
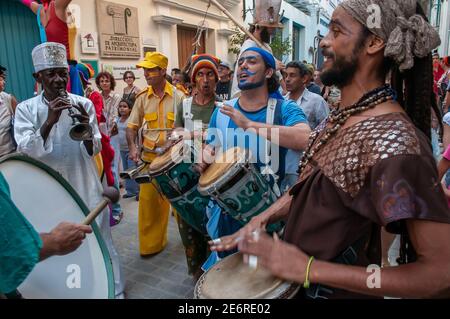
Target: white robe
{"x":69,"y":158}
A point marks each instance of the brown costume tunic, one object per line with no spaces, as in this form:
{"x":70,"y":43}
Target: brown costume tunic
{"x":378,"y":172}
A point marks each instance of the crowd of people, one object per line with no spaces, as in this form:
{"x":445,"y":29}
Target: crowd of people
{"x":363,"y":150}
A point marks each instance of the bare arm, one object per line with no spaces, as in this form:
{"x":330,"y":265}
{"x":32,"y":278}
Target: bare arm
{"x":63,"y":239}
{"x":61,"y":7}
{"x":446,"y":136}
{"x":447,"y":101}
{"x":428,"y":277}
{"x":443,"y":166}
{"x":292,"y":137}
{"x":13,"y":103}
{"x":279,"y":210}
{"x":131,"y":140}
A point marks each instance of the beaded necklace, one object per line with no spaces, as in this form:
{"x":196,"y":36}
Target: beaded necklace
{"x":338,"y":118}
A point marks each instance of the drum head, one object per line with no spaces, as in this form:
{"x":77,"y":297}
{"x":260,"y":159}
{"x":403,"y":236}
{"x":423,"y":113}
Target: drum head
{"x":223,"y":166}
{"x":167,"y":160}
{"x":46,"y":199}
{"x":230,"y":278}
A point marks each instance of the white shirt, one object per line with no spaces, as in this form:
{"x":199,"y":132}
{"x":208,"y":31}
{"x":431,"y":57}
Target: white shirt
{"x":6,"y":116}
{"x":68,"y":157}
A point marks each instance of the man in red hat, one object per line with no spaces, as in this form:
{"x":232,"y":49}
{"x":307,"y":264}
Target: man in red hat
{"x":199,"y":107}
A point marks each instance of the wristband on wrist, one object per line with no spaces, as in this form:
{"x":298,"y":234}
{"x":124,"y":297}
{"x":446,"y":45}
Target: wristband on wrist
{"x":306,"y":284}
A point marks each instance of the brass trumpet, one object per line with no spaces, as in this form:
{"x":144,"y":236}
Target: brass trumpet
{"x":79,"y":131}
{"x":132,"y":173}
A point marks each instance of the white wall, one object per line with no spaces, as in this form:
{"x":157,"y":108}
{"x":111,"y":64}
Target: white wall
{"x":307,"y":33}
{"x":163,"y":38}
{"x":444,"y":49}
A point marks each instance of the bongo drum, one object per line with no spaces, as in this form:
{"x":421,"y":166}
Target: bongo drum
{"x":177,"y":180}
{"x":230,"y":278}
{"x":46,"y":199}
{"x":237,"y":186}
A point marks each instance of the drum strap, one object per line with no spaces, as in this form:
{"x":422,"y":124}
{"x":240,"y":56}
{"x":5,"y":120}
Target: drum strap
{"x":272,"y":107}
{"x":175,"y":101}
{"x":222,"y":122}
{"x":187,"y":114}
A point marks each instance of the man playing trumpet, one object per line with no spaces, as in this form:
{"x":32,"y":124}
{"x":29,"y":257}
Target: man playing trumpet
{"x":42,"y":130}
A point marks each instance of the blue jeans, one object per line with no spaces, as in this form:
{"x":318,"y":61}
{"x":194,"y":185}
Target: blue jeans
{"x":115,"y":208}
{"x":131,"y":186}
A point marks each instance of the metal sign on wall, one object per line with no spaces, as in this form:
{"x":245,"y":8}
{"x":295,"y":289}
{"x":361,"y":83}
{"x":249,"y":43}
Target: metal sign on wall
{"x":118,"y":27}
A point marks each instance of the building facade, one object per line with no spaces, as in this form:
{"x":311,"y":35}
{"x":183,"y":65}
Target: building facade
{"x":305,"y":24}
{"x":439,"y":13}
{"x":113,"y":35}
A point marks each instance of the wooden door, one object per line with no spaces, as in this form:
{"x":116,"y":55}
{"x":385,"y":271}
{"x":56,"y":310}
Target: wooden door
{"x":186,"y":38}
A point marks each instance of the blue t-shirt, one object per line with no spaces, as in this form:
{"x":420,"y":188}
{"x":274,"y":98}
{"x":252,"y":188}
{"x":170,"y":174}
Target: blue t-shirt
{"x":291,"y":115}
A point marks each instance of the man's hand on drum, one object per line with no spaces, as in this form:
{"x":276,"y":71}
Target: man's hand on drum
{"x":282,"y":259}
{"x":237,"y":117}
{"x":63,"y":239}
{"x":257,"y":223}
{"x":207,"y":158}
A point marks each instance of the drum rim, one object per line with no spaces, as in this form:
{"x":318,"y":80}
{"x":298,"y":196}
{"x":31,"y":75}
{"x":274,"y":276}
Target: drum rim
{"x":65,"y":184}
{"x":169,"y":165}
{"x":199,"y":284}
{"x":234,"y":169}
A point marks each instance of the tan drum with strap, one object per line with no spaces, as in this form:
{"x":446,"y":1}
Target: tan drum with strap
{"x":230,"y":278}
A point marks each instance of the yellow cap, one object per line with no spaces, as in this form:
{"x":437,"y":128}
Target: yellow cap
{"x":153,"y":60}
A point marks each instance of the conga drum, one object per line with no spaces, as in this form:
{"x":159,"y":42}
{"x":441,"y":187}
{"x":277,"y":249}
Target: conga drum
{"x":46,"y":199}
{"x":174,"y":172}
{"x":230,"y":278}
{"x":237,"y":186}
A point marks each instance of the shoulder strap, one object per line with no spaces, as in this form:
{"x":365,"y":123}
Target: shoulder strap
{"x":222,"y":122}
{"x":174,"y":89}
{"x":187,"y":114}
{"x":273,"y":117}
{"x":271,"y":105}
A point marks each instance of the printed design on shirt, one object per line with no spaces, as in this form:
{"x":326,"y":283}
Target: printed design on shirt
{"x":346,"y":159}
{"x":402,"y":202}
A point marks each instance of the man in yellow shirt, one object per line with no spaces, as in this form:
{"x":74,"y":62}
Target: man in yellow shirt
{"x":153,"y":111}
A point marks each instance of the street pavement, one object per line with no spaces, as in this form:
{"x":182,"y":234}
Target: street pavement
{"x":160,"y":276}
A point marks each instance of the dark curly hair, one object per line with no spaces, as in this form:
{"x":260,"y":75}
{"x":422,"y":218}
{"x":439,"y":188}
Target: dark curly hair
{"x":107,"y":75}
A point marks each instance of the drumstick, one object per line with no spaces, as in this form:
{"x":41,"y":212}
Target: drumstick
{"x":110,"y":194}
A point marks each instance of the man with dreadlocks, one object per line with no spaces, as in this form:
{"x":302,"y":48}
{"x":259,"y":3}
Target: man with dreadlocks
{"x":369,"y":165}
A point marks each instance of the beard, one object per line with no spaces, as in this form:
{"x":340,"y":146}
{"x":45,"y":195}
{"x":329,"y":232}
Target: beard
{"x":343,"y":70}
{"x":341,"y":73}
{"x":250,"y":86}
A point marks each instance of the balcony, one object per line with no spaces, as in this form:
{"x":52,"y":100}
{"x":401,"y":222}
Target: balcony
{"x":306,"y":6}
